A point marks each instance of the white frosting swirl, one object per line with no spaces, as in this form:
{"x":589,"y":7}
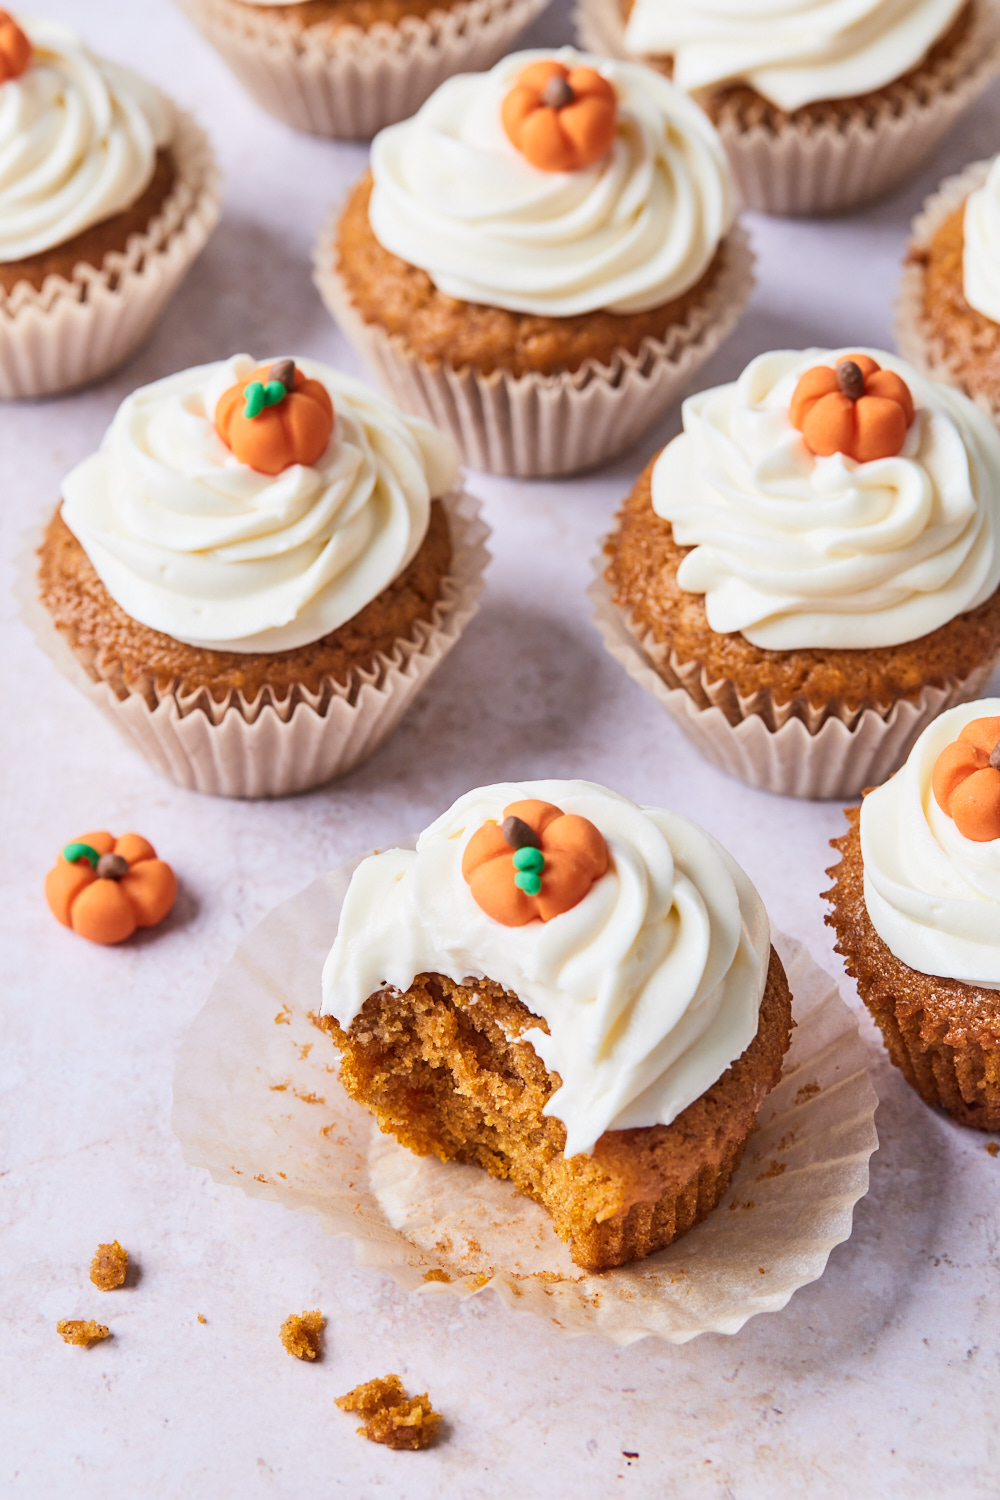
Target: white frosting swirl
{"x":981,"y":248}
{"x":794,"y":52}
{"x":796,"y":551}
{"x":190,"y":541}
{"x":932,"y":894}
{"x":453,"y":196}
{"x":650,"y":986}
{"x":78,"y":142}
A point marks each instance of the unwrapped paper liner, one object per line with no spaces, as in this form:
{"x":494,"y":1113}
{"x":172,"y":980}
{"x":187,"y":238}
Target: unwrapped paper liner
{"x":350,"y":83}
{"x":70,"y":332}
{"x":832,"y":752}
{"x":263,"y":1110}
{"x":533,"y":425}
{"x":860,"y":157}
{"x":270,"y":747}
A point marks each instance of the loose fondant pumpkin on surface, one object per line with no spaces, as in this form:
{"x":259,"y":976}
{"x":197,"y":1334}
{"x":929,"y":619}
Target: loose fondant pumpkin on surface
{"x":275,"y":417}
{"x":15,"y":49}
{"x":104,"y":888}
{"x":539,"y":862}
{"x":560,"y":118}
{"x":966,"y":780}
{"x":857,"y":409}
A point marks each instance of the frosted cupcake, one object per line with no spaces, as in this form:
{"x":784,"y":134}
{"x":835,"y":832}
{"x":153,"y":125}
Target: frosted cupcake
{"x":346,"y":68}
{"x":107,"y":194}
{"x":569,"y":991}
{"x":916,"y":907}
{"x":821,"y":106}
{"x":808,"y":574}
{"x":541,"y":259}
{"x":258,"y":570}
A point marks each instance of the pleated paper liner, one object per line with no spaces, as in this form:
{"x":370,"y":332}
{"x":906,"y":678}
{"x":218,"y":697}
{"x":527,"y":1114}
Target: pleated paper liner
{"x":352,"y":83}
{"x":832,"y":752}
{"x":269,"y":747}
{"x":71,"y":332}
{"x":535,"y":426}
{"x":258,"y":1104}
{"x":861,"y":156}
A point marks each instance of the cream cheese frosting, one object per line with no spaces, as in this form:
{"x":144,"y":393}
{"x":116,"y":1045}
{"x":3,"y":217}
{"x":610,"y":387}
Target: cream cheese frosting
{"x":193,"y":543}
{"x":793,"y":52}
{"x":636,"y":229}
{"x":981,"y":247}
{"x":78,"y":142}
{"x":795,"y":551}
{"x":932,"y":894}
{"x":651,"y":986}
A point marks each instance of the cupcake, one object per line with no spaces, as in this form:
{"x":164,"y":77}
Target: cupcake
{"x":916,"y":907}
{"x":346,"y":68}
{"x":257,"y":571}
{"x":540,"y":259}
{"x":821,"y":106}
{"x":107,"y":194}
{"x":571,"y":992}
{"x":808,"y":574}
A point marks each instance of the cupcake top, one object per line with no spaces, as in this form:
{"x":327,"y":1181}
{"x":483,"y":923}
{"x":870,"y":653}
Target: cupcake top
{"x":793,"y":52}
{"x":255,"y":508}
{"x":809,"y":547}
{"x":930,"y":840}
{"x":981,"y":247}
{"x":629,"y":930}
{"x":78,"y":141}
{"x":626,"y":229}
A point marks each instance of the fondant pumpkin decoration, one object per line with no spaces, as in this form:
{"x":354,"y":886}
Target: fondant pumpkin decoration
{"x":539,"y":862}
{"x":560,"y":118}
{"x":857,"y":408}
{"x":966,"y":780}
{"x":15,"y":49}
{"x":275,"y":417}
{"x":104,"y":888}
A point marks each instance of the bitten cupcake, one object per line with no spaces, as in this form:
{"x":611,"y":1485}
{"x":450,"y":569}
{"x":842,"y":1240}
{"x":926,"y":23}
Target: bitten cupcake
{"x":571,"y":992}
{"x":107,"y":194}
{"x":821,"y":106}
{"x":916,"y":908}
{"x":258,"y":570}
{"x":346,"y":68}
{"x":541,"y":259}
{"x":809,"y":573}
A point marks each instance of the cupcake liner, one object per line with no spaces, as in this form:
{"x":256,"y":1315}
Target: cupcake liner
{"x":262,"y":1110}
{"x":962,"y":1080}
{"x":71,"y":332}
{"x":855,"y":159}
{"x":268,"y":747}
{"x":793,"y":749}
{"x":351,"y":84}
{"x":537,"y":426}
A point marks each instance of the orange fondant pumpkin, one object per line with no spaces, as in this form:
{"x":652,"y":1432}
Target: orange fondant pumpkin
{"x":276,"y":417}
{"x":15,"y":49}
{"x":104,"y":888}
{"x":966,"y":780}
{"x":560,"y":118}
{"x":858,"y":409}
{"x":538,"y":863}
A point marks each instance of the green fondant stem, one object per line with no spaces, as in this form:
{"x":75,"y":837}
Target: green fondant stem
{"x":77,"y":851}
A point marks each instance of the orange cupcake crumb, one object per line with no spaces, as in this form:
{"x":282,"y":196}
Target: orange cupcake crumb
{"x":109,"y":1266}
{"x":302,"y":1334}
{"x":390,"y":1416}
{"x":82,"y":1331}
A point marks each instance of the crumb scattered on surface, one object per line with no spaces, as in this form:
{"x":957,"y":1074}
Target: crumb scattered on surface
{"x":284,"y":1016}
{"x":82,"y":1331}
{"x":109,"y":1266}
{"x":773,"y":1169}
{"x":436,"y":1276}
{"x":807,"y":1091}
{"x":302,"y":1334}
{"x":202,"y":1318}
{"x":992,"y":1147}
{"x":390,"y":1416}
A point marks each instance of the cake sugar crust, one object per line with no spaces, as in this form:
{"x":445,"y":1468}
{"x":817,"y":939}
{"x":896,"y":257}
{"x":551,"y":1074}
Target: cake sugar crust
{"x":967,"y":338}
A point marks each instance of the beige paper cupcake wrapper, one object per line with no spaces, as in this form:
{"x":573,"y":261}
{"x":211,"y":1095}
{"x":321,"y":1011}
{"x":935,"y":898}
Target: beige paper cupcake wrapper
{"x":352,"y":83}
{"x":262,"y":1109}
{"x":71,"y":332}
{"x":537,"y":426}
{"x":793,"y":749}
{"x":854,"y":160}
{"x":268,"y":747}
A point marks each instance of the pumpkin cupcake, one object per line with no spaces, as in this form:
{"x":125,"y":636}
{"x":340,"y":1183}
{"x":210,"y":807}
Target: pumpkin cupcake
{"x":346,"y":68}
{"x":821,"y":106}
{"x":540,"y":259}
{"x":257,"y":571}
{"x":809,"y":573}
{"x":502,"y":996}
{"x":916,"y":908}
{"x":107,"y":194}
